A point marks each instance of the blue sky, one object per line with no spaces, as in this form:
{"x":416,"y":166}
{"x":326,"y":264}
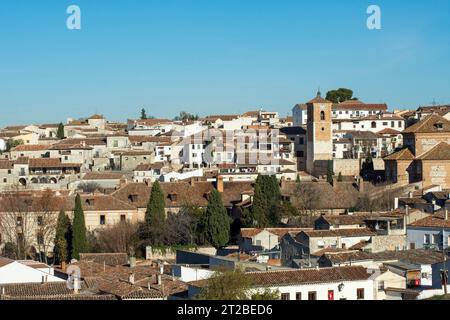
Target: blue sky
{"x":215,"y":56}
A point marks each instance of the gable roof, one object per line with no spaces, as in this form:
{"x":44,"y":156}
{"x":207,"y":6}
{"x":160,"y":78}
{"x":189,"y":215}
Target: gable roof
{"x":433,"y":221}
{"x":360,"y":232}
{"x":439,"y":152}
{"x":428,"y":125}
{"x":404,"y":154}
{"x":302,"y":276}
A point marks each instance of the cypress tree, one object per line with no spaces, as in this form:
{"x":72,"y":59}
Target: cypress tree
{"x":259,"y":208}
{"x":155,"y":216}
{"x":63,"y":238}
{"x":217,"y":221}
{"x":60,"y":132}
{"x":79,"y":239}
{"x":330,"y":172}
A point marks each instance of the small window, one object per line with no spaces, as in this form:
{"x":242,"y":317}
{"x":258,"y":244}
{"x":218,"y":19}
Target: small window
{"x":102,"y":220}
{"x":298,"y":296}
{"x":5,"y":180}
{"x":19,"y":221}
{"x":426,"y":239}
{"x":285,"y":296}
{"x":360,"y":294}
{"x":381,"y":286}
{"x":322,"y":115}
{"x":40,"y":238}
{"x":374,"y":125}
{"x":301,"y":141}
{"x":123,"y":218}
{"x":312,"y":295}
{"x":40,"y":221}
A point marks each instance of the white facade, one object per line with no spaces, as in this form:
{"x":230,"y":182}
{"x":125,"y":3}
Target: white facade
{"x":16,"y":272}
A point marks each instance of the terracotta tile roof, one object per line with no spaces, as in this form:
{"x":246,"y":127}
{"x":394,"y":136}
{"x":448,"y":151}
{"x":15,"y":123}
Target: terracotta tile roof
{"x":439,"y":152}
{"x":303,"y":276}
{"x":318,"y":99}
{"x":134,"y":153}
{"x":361,"y":232}
{"x":110,"y":259}
{"x":383,"y":117}
{"x":6,"y":164}
{"x":251,"y":114}
{"x":88,"y":141}
{"x":404,"y":154}
{"x":222,"y":117}
{"x":5,"y":261}
{"x":103,"y":176}
{"x":343,"y":257}
{"x":115,"y":280}
{"x":49,"y":291}
{"x":430,"y":125}
{"x":142,"y":139}
{"x":432,"y":221}
{"x":149,"y":166}
{"x":389,"y":131}
{"x":50,"y":163}
{"x":101,"y":203}
{"x":138,"y":194}
{"x":69,"y":146}
{"x":153,"y":122}
{"x":280,"y":232}
{"x":30,"y":147}
{"x":96,"y":117}
{"x":357,"y":105}
{"x":328,"y":250}
{"x":416,"y":256}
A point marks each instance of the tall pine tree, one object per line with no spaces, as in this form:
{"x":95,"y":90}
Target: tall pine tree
{"x":330,"y":172}
{"x":155,"y":216}
{"x":60,"y":132}
{"x":63,"y":238}
{"x":79,"y":240}
{"x":143,"y":114}
{"x":217,"y":221}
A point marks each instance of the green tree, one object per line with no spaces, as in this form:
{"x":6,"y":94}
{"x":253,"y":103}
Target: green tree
{"x":266,"y":294}
{"x":340,"y":95}
{"x":226,"y":285}
{"x":340,"y":179}
{"x":63,"y":238}
{"x":232,"y":285}
{"x":11,"y":144}
{"x":186,"y":116}
{"x":330,"y":172}
{"x":79,"y":239}
{"x":60,"y":132}
{"x":155,"y":216}
{"x":217,"y":221}
{"x":143,"y":114}
{"x":266,"y":201}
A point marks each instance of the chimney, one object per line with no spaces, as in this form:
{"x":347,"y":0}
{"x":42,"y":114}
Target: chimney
{"x":76,"y":284}
{"x":219,"y":185}
{"x":192,"y":182}
{"x":131,"y":278}
{"x":159,"y":279}
{"x":396,"y":203}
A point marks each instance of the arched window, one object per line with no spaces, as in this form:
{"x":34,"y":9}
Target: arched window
{"x":322,"y":115}
{"x":374,"y":124}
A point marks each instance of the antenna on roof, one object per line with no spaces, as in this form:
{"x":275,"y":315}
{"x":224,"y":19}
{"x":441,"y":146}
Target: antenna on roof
{"x":319,"y":94}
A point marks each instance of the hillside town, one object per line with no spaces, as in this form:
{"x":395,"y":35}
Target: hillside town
{"x":341,"y":200}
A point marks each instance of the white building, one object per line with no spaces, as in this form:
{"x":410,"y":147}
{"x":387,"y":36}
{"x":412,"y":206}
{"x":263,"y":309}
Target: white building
{"x":344,"y":283}
{"x":12,"y":271}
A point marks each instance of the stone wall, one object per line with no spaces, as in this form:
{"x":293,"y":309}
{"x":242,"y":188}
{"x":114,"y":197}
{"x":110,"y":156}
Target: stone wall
{"x":388,"y":243}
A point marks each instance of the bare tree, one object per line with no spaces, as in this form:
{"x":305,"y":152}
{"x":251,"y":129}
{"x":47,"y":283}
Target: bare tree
{"x":17,"y":223}
{"x":305,"y":200}
{"x":46,"y":208}
{"x":29,"y":222}
{"x":122,"y":237}
{"x":89,"y":187}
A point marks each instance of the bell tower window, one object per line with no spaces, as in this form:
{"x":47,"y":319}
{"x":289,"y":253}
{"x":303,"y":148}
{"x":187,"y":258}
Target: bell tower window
{"x":322,"y":115}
